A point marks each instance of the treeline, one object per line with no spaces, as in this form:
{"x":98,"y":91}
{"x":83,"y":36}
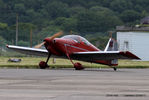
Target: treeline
{"x":45,"y":17}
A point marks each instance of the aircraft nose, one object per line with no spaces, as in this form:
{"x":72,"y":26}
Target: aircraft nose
{"x":47,"y":42}
{"x":54,"y":41}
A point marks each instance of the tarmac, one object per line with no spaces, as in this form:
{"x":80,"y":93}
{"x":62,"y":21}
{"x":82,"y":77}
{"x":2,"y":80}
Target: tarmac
{"x":69,"y":84}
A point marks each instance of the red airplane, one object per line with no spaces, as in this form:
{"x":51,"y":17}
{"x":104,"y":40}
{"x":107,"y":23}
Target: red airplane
{"x":75,"y":47}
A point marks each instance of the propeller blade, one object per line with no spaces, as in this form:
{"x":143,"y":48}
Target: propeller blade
{"x":51,"y":38}
{"x":56,"y":35}
{"x":39,"y":45}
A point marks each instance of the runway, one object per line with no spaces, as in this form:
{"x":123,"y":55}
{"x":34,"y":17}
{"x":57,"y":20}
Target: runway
{"x":69,"y":84}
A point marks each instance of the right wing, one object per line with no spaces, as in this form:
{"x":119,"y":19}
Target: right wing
{"x":29,"y":51}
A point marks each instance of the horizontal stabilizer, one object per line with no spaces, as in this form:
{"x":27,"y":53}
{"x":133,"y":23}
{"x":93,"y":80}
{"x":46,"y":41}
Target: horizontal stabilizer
{"x":101,"y":55}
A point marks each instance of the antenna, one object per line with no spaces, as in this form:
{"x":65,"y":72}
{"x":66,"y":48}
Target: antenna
{"x":110,"y":34}
{"x":16,"y":29}
{"x":31,"y":38}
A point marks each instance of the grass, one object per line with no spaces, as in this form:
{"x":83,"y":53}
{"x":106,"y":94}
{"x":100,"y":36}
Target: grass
{"x":133,"y":64}
{"x":32,"y":62}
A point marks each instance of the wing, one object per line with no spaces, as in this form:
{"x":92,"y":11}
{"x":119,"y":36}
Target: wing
{"x":103,"y":55}
{"x":30,"y":51}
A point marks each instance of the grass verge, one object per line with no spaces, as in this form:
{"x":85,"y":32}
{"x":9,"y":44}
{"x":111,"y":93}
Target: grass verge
{"x":32,"y":62}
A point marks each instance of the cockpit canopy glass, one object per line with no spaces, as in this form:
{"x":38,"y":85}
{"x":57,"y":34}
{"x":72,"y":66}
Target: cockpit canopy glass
{"x":77,"y":38}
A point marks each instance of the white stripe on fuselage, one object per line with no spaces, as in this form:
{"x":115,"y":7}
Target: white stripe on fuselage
{"x":75,"y":47}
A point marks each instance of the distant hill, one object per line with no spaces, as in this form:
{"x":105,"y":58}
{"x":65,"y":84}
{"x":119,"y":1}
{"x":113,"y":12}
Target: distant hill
{"x":45,"y":17}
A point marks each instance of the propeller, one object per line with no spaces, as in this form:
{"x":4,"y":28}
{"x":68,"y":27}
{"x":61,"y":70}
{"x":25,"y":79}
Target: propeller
{"x":51,"y":38}
{"x":56,"y":35}
{"x":39,"y":45}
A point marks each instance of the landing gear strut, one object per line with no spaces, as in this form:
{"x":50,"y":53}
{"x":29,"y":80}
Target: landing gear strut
{"x":77,"y":65}
{"x":43,"y":64}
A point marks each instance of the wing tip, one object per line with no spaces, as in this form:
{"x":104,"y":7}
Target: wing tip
{"x":7,"y":45}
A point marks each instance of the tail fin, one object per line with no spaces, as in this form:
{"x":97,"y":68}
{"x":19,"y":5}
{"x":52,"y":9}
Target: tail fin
{"x":112,"y":46}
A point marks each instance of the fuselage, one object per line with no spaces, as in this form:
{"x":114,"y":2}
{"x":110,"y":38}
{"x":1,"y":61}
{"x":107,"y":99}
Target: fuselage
{"x":69,"y":44}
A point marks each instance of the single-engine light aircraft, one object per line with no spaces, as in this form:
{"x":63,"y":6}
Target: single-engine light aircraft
{"x":75,"y":47}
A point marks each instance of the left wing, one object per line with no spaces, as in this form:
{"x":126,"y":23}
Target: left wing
{"x":30,"y":51}
{"x":103,"y":55}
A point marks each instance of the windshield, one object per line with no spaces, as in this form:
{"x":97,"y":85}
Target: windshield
{"x":77,"y":38}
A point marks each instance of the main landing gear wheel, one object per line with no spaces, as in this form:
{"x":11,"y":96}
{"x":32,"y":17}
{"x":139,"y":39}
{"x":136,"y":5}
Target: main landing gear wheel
{"x":114,"y":68}
{"x":43,"y":65}
{"x":78,"y":66}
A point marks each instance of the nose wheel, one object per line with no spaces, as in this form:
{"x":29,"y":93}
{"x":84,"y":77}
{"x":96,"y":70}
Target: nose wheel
{"x":43,"y":65}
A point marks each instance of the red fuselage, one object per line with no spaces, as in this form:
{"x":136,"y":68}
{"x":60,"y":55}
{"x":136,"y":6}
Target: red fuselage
{"x":67,"y":45}
{"x":60,"y":46}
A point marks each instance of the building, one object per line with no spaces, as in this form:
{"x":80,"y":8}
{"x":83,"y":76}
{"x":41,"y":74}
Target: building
{"x":135,"y":40}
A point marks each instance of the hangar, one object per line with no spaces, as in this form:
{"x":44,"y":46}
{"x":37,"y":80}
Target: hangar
{"x":134,"y":39}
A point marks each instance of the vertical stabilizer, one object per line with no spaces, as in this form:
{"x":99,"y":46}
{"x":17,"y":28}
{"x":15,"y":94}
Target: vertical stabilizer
{"x":112,"y":46}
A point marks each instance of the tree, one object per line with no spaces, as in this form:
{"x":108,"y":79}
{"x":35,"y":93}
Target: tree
{"x":19,"y":8}
{"x":23,"y":43}
{"x":81,"y":16}
{"x":121,"y":5}
{"x":66,"y":24}
{"x":106,"y":3}
{"x":74,"y":11}
{"x":99,"y":41}
{"x":3,"y":30}
{"x":87,"y":22}
{"x":2,"y":41}
{"x":130,"y":16}
{"x":96,"y":20}
{"x":3,"y":26}
{"x":24,"y":31}
{"x":57,"y":9}
{"x":2,"y":5}
{"x":47,"y":32}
